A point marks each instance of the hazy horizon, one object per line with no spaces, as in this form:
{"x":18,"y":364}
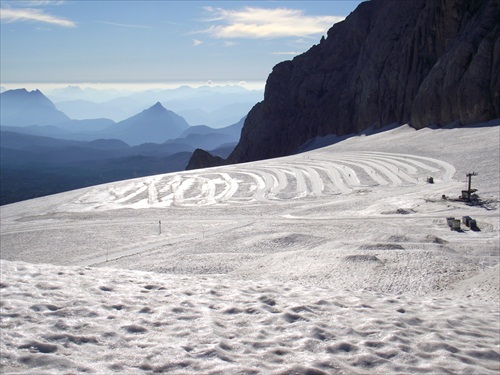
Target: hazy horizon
{"x":130,"y":86}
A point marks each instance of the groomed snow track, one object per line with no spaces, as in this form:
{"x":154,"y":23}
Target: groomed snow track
{"x":290,"y":178}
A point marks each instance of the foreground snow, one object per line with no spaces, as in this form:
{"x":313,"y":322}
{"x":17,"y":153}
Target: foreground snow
{"x":337,"y":260}
{"x":76,"y":319}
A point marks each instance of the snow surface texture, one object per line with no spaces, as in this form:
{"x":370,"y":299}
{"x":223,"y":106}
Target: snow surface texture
{"x":339,"y":260}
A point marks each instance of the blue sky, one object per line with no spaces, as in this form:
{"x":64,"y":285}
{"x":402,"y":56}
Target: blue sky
{"x":157,"y":41}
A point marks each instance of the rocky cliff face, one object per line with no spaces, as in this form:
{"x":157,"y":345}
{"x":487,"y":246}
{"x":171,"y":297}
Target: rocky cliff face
{"x":419,"y":62}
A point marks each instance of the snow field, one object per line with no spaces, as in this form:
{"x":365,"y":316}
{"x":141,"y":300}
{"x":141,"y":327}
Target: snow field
{"x":102,"y":320}
{"x":337,"y":260}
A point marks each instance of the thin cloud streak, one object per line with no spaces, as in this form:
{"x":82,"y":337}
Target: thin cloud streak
{"x":257,"y":23}
{"x":33,"y":3}
{"x":39,"y":3}
{"x":286,"y":53}
{"x":132,"y":26}
{"x":32,"y":15}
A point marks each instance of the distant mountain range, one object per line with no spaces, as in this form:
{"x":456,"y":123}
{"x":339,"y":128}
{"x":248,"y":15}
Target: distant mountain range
{"x":43,"y":151}
{"x":215,"y":106}
{"x":156,"y":124}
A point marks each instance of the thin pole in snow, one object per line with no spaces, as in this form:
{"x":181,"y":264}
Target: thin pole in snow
{"x":159,"y":223}
{"x":469,"y":180}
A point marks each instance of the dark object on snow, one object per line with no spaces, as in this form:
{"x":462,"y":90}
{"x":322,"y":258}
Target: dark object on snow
{"x":453,"y":223}
{"x":467,"y":194}
{"x":473,"y":225}
{"x":469,"y":222}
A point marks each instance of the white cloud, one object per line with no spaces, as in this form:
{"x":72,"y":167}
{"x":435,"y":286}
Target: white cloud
{"x":128,"y":25}
{"x":267,"y":23}
{"x":39,"y":3}
{"x":32,"y":3}
{"x":35,"y":15}
{"x":196,"y":42}
{"x":286,"y":53}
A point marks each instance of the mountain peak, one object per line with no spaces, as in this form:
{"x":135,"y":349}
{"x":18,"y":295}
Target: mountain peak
{"x":15,"y":92}
{"x":23,"y":93}
{"x":157,"y":107}
{"x":21,"y":107}
{"x":155,"y":124}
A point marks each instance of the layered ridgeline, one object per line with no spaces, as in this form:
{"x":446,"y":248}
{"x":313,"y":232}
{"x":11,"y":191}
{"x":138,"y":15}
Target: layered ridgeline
{"x":418,"y":62}
{"x":43,"y":151}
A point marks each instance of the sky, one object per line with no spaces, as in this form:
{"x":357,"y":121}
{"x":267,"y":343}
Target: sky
{"x":155,"y":42}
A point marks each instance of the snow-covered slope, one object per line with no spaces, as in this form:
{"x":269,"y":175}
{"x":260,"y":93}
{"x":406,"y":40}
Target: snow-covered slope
{"x":339,"y":260}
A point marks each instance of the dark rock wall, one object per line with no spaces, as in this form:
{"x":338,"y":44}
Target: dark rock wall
{"x":420,"y":62}
{"x":203,"y":159}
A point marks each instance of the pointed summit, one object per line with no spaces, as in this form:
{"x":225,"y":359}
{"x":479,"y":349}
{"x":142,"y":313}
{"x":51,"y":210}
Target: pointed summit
{"x":157,"y":108}
{"x":153,"y":125}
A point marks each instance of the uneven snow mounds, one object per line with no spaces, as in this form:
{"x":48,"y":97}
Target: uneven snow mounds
{"x":384,"y":268}
{"x":294,"y":178}
{"x":75,"y":319}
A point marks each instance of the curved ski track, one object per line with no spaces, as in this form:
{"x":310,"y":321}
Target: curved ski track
{"x":291,"y":178}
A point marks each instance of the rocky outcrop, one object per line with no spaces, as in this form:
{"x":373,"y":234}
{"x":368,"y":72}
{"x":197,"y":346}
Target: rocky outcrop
{"x":419,"y":62}
{"x":203,"y":159}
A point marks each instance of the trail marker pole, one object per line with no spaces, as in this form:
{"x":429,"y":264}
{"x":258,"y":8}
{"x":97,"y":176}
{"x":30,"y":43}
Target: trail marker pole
{"x":159,"y":224}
